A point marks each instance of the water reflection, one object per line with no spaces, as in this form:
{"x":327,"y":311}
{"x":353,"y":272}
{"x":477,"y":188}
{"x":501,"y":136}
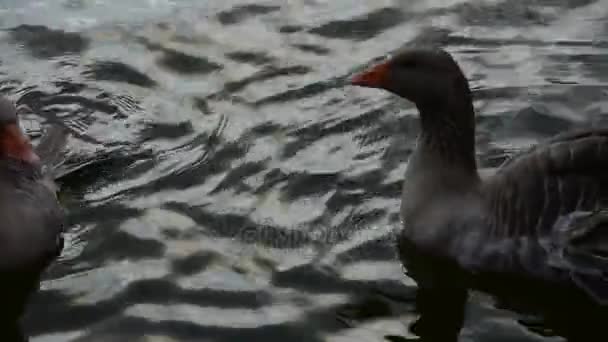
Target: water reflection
{"x":224,"y":184}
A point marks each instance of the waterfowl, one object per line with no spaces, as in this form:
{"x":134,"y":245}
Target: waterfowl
{"x":540,"y":220}
{"x":32,"y":218}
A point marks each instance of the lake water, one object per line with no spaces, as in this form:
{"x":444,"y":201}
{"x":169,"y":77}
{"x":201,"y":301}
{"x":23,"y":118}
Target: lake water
{"x":227,"y":183}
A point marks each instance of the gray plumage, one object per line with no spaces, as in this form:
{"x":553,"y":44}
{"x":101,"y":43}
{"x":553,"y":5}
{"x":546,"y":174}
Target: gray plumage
{"x":32,"y":219}
{"x":538,"y":218}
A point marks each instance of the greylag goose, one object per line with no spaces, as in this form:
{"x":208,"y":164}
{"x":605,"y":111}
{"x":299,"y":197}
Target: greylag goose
{"x":538,"y":220}
{"x":32,"y":219}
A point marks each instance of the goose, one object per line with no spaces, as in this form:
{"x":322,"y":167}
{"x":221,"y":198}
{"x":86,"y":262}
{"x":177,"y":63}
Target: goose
{"x":33,"y":221}
{"x":538,"y":225}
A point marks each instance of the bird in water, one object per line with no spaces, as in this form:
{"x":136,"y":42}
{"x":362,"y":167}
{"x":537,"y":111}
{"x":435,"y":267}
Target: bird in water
{"x":536,"y":230}
{"x":32,"y":219}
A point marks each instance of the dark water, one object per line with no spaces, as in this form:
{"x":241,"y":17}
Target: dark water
{"x":228,"y":186}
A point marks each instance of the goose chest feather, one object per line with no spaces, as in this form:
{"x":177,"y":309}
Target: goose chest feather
{"x":542,"y":216}
{"x":435,"y":198}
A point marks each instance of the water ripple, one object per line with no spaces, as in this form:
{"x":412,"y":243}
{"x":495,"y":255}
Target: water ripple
{"x":224,"y":182}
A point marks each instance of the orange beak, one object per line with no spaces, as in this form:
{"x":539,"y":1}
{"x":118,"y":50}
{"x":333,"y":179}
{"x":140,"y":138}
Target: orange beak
{"x":374,"y":77}
{"x":15,"y":144}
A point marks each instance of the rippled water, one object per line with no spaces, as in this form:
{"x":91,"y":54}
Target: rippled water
{"x":228,"y":186}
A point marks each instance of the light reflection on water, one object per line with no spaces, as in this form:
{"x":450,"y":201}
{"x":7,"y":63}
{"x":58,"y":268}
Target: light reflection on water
{"x":234,"y":188}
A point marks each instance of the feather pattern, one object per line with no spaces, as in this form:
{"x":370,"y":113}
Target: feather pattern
{"x":542,"y":208}
{"x":567,"y":173}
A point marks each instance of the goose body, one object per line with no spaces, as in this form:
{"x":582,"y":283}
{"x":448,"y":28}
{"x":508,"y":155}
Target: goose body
{"x":539,"y":219}
{"x":32,"y":218}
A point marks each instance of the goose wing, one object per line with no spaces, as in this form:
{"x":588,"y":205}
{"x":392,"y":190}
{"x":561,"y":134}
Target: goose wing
{"x":554,"y":194}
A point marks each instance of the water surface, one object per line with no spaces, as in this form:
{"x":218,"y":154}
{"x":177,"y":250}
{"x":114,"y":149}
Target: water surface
{"x":229,"y":186}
